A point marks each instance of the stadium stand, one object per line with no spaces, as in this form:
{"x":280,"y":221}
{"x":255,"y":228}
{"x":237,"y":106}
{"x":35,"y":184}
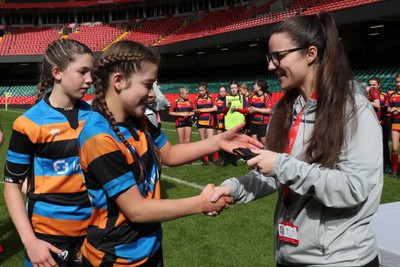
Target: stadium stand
{"x":151,"y":31}
{"x":22,"y":41}
{"x":27,"y":41}
{"x":97,"y":37}
{"x":159,"y":31}
{"x":24,"y":94}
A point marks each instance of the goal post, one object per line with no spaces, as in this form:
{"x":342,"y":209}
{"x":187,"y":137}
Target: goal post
{"x":7,"y":95}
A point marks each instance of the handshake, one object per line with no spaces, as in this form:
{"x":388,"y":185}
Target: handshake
{"x":215,"y":199}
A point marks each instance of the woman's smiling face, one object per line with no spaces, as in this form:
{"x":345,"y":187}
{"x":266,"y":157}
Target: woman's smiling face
{"x":293,"y":66}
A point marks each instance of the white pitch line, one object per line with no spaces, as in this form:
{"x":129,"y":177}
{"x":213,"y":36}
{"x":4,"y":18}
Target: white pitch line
{"x":15,"y":111}
{"x":174,"y":179}
{"x":173,"y":130}
{"x":179,"y":181}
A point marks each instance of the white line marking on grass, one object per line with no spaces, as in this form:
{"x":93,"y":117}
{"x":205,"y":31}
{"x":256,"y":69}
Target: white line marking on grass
{"x":193,"y":163}
{"x":174,"y":179}
{"x":173,"y":130}
{"x":179,"y":181}
{"x":15,"y":111}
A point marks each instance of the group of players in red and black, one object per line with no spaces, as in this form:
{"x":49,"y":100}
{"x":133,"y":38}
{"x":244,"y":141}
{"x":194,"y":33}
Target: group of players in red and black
{"x":387,"y":108}
{"x":208,"y":114}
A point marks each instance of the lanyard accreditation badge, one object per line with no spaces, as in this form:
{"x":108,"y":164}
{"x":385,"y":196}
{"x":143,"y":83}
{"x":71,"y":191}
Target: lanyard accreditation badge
{"x":287,"y":231}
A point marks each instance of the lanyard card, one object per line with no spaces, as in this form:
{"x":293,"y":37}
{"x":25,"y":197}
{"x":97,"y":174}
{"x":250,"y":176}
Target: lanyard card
{"x":288,"y":232}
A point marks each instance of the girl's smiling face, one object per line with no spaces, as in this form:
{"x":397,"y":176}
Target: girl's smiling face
{"x":134,"y":98}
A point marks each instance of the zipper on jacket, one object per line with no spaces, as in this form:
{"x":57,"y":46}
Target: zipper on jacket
{"x":323,"y":250}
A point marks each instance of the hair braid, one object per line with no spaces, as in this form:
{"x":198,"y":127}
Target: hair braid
{"x":120,"y":58}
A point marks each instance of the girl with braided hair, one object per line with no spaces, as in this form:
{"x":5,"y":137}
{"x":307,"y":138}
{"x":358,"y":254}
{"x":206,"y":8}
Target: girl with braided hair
{"x":121,"y":154}
{"x":43,"y":148}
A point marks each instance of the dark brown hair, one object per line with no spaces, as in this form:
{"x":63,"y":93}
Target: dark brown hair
{"x":263,"y":85}
{"x":125,"y":57}
{"x":377,"y":79}
{"x":59,"y":53}
{"x":333,"y":87}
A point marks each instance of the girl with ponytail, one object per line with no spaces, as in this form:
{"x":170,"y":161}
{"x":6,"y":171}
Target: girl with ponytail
{"x":43,"y":150}
{"x":121,"y":155}
{"x":319,"y":156}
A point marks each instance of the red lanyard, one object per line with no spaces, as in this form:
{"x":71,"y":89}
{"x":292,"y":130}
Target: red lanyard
{"x":292,"y":137}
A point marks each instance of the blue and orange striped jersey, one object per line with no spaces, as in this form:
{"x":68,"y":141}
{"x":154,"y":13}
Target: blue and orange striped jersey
{"x":260,"y":101}
{"x":183,"y":107}
{"x":44,"y":148}
{"x":394,"y":102}
{"x":205,"y":118}
{"x":221,"y":104}
{"x":109,"y":169}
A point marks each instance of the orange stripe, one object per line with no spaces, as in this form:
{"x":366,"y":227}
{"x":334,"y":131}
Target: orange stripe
{"x":140,"y":146}
{"x":65,"y":132}
{"x":121,"y":220}
{"x":27,"y":127}
{"x":42,"y":134}
{"x":95,"y":256}
{"x":59,"y":184}
{"x":104,"y":143}
{"x":51,"y":226}
{"x":99,"y":218}
{"x":156,"y":193}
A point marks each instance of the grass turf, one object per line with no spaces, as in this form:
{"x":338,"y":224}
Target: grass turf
{"x":240,"y":236}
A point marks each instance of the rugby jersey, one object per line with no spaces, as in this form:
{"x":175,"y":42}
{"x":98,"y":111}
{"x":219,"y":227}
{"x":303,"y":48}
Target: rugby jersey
{"x":183,"y":107}
{"x":44,"y":148}
{"x":221,"y":104}
{"x":205,"y":118}
{"x":384,"y":100}
{"x":372,"y":95}
{"x":394,"y":102}
{"x":260,"y":101}
{"x":110,"y":169}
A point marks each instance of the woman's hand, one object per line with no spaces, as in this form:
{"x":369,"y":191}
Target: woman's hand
{"x":264,"y":162}
{"x":220,"y":191}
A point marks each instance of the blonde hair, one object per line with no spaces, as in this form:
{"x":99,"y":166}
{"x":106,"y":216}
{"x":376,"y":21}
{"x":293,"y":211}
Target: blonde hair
{"x":183,"y":90}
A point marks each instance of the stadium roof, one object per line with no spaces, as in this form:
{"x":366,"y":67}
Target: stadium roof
{"x":51,"y":5}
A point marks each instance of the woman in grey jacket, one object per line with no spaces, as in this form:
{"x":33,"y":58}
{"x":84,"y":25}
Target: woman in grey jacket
{"x":323,"y":156}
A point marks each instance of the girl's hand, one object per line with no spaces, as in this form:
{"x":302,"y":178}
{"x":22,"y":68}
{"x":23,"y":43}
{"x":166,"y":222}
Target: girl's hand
{"x":213,"y":207}
{"x":235,"y":138}
{"x":1,"y":137}
{"x":252,"y":110}
{"x":39,"y":253}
